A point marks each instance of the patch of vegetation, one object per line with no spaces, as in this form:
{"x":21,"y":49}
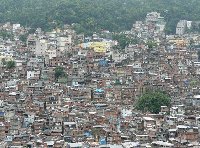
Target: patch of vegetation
{"x":59,"y":72}
{"x":152,"y":101}
{"x":89,"y":16}
{"x":10,"y":64}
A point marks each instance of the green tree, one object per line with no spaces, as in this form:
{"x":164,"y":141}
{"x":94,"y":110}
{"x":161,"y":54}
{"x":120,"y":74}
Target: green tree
{"x":193,"y":83}
{"x":10,"y":64}
{"x":23,"y":38}
{"x":111,"y":58}
{"x":152,"y":101}
{"x":191,"y":42}
{"x":31,"y":31}
{"x":59,"y":72}
{"x":113,"y":15}
{"x":151,"y":44}
{"x":198,"y":53}
{"x":6,"y":35}
{"x":3,"y":61}
{"x":123,"y":40}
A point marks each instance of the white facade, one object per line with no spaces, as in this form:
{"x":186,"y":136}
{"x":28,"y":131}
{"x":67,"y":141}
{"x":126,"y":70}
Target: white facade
{"x":137,"y":65}
{"x":177,"y":110}
{"x":51,"y":53}
{"x":41,"y":47}
{"x":153,"y":16}
{"x":29,"y":119}
{"x":32,"y":74}
{"x":181,"y":27}
{"x":82,"y":53}
{"x":189,"y":24}
{"x":9,"y":115}
{"x":18,"y":63}
{"x":196,"y":100}
{"x":118,"y":57}
{"x":198,"y":71}
{"x":16,"y":26}
{"x":64,"y":42}
{"x":161,"y":27}
{"x":126,"y":112}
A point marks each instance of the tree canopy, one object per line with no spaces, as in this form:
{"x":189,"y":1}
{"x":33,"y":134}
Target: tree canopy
{"x":152,"y":101}
{"x":151,"y":44}
{"x":5,"y":34}
{"x":10,"y":64}
{"x":59,"y":72}
{"x":3,"y":60}
{"x":23,"y":38}
{"x":198,"y":53}
{"x":88,"y":16}
{"x":123,"y":40}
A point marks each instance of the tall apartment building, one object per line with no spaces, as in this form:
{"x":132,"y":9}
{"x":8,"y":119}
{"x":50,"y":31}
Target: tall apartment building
{"x":181,"y":27}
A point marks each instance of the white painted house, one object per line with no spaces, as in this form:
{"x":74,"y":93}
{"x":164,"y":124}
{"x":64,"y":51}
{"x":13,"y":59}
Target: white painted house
{"x":41,"y":47}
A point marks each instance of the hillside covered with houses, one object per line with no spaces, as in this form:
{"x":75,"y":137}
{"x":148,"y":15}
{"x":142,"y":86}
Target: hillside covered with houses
{"x":61,"y":88}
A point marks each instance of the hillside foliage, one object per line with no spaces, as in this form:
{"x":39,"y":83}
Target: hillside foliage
{"x":152,"y":101}
{"x":88,"y":16}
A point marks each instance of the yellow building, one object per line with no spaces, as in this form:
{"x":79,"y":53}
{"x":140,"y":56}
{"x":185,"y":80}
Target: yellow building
{"x":101,"y":47}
